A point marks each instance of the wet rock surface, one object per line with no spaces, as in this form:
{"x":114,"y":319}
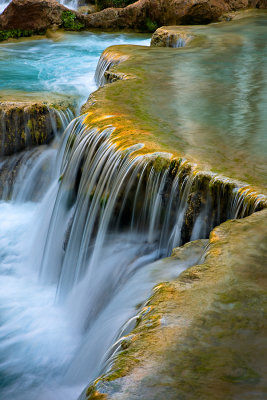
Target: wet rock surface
{"x":207,"y":329}
{"x":27,"y":124}
{"x":171,"y":37}
{"x":147,"y":15}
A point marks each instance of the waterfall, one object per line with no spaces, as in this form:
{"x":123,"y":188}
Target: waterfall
{"x":106,"y":62}
{"x":141,"y":206}
{"x":84,"y":227}
{"x":103,"y":191}
{"x":105,"y":216}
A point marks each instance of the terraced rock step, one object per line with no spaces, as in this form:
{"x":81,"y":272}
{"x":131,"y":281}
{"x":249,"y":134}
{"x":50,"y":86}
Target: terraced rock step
{"x":201,"y":336}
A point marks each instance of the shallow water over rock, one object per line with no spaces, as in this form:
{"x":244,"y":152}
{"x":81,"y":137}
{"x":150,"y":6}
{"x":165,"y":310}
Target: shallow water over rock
{"x":203,"y":102}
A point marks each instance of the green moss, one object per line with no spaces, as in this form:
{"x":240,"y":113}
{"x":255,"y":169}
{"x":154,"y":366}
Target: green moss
{"x":29,"y":124}
{"x":70,"y":21}
{"x":161,"y":164}
{"x":151,"y":25}
{"x":17,"y":33}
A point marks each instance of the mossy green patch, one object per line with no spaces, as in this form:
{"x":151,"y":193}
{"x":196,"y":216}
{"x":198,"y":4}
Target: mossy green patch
{"x":70,"y":21}
{"x":18,"y":33}
{"x":151,"y":25}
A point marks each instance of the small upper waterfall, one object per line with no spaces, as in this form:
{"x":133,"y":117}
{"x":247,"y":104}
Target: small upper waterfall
{"x":105,"y":63}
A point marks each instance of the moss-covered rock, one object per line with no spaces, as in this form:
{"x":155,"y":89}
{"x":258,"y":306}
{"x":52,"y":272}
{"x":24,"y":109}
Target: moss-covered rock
{"x":70,"y":22}
{"x":29,"y":123}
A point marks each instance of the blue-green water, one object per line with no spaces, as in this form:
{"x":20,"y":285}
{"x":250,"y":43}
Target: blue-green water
{"x":66,"y":66}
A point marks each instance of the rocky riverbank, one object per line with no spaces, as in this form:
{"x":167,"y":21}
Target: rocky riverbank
{"x":27,"y":17}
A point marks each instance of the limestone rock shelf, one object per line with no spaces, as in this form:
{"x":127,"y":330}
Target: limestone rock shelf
{"x":202,"y":335}
{"x":155,"y":105}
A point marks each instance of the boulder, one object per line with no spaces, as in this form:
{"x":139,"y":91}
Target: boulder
{"x":143,"y":15}
{"x":37,"y":16}
{"x":147,"y":15}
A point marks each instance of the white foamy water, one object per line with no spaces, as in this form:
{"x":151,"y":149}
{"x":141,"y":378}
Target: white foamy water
{"x":47,"y":350}
{"x":36,"y":337}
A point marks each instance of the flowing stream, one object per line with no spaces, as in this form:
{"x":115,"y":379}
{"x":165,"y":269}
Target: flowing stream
{"x":83,"y":229}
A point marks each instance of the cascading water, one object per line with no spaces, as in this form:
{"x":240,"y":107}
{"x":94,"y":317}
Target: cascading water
{"x":38,"y":337}
{"x":107,"y":216}
{"x":81,"y":260}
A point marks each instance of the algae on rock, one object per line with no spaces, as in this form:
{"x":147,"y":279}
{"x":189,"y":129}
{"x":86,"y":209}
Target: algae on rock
{"x":28,"y":123}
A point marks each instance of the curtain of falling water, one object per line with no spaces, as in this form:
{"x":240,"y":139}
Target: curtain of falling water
{"x":82,"y":258}
{"x":107,"y":215}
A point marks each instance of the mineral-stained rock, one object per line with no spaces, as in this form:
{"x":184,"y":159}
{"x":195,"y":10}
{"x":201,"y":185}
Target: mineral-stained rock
{"x":26,"y":124}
